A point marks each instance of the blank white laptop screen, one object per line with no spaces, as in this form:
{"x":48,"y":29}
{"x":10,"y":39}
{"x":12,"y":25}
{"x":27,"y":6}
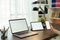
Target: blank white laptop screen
{"x":36,"y":26}
{"x":47,"y":25}
{"x":18,"y":25}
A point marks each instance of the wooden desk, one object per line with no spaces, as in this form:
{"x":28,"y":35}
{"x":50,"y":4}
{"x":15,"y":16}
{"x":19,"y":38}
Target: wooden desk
{"x":42,"y":35}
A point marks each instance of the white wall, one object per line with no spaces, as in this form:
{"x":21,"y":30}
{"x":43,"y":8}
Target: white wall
{"x":48,"y":16}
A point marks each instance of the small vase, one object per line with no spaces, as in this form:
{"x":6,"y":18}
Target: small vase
{"x":4,"y":36}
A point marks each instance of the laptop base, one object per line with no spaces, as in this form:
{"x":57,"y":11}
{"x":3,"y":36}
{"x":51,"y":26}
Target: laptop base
{"x":26,"y":35}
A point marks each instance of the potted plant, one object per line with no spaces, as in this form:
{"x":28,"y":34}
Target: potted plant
{"x":43,"y":19}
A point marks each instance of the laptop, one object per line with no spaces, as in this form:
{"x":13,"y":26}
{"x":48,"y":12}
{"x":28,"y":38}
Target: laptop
{"x":19,"y":28}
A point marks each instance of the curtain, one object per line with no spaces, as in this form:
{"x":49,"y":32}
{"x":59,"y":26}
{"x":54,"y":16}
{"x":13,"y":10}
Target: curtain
{"x":20,"y":9}
{"x":4,"y":12}
{"x":10,"y":9}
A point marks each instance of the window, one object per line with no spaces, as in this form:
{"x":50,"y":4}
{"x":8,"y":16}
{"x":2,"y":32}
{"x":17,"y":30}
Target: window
{"x":10,"y":9}
{"x":21,"y":9}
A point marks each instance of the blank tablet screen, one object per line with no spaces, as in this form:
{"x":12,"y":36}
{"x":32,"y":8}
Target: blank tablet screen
{"x":36,"y":26}
{"x":47,"y":25}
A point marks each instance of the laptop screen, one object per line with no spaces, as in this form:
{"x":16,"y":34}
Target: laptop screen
{"x":18,"y":25}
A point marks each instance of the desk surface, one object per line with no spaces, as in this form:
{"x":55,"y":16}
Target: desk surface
{"x":42,"y":35}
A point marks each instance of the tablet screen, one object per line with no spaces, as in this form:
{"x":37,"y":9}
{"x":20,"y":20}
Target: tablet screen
{"x":36,"y":26}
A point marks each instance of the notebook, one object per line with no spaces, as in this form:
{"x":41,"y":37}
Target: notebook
{"x":19,"y":28}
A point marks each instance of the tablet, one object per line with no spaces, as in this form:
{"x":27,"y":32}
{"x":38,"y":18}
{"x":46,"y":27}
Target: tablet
{"x":36,"y":26}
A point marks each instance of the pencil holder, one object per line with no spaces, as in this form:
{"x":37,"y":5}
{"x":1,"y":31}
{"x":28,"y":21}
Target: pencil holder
{"x":3,"y":32}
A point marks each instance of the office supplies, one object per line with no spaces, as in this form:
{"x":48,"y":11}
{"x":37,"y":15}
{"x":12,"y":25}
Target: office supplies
{"x":4,"y":32}
{"x":47,"y":25}
{"x":19,"y":28}
{"x":36,"y":26}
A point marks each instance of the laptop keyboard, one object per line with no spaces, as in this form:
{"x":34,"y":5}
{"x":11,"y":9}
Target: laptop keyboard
{"x":21,"y":33}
